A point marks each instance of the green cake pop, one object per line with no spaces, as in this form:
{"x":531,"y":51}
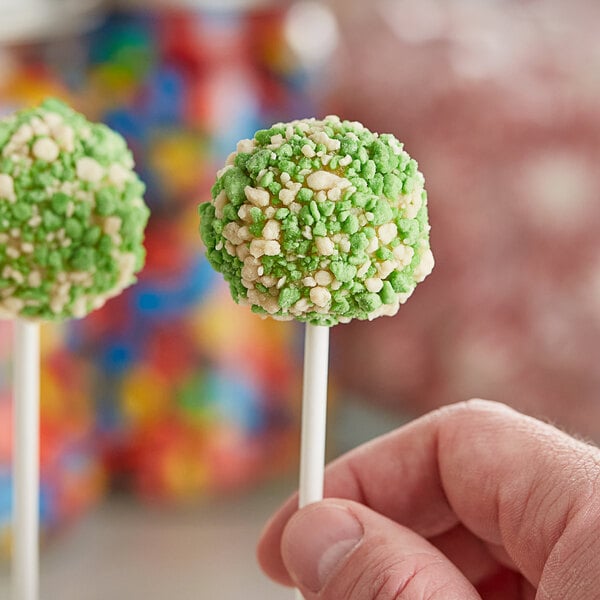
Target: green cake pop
{"x":321,"y":221}
{"x":72,"y":216}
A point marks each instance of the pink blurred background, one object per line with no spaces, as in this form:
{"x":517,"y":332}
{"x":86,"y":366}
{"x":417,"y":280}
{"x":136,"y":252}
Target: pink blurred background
{"x":498,"y":103}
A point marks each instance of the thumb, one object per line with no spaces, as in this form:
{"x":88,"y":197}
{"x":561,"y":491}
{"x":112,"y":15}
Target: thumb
{"x":340,"y":549}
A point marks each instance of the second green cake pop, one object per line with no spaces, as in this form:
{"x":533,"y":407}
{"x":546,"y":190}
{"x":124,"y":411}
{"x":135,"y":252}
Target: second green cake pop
{"x":72,"y":215}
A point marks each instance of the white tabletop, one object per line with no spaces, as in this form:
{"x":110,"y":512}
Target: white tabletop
{"x":125,"y":550}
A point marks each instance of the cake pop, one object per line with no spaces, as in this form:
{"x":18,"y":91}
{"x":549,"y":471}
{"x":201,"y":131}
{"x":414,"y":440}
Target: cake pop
{"x":320,"y":221}
{"x":72,"y":215}
{"x":71,"y":230}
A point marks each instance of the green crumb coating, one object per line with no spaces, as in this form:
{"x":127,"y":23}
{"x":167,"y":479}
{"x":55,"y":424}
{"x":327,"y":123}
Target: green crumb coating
{"x":72,"y":216}
{"x":319,"y":221}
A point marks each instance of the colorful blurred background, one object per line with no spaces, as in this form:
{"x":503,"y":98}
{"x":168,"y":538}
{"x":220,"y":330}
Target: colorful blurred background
{"x":170,"y":418}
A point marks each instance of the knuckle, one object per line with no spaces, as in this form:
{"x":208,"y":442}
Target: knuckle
{"x":411,"y":578}
{"x":381,"y":573}
{"x":552,"y":505}
{"x":567,"y":572}
{"x":467,"y":409}
{"x":479,"y":406}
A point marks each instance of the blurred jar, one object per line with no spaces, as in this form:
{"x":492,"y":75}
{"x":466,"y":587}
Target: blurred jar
{"x":196,"y":394}
{"x":72,"y":474}
{"x":193,"y":394}
{"x":499,"y":103}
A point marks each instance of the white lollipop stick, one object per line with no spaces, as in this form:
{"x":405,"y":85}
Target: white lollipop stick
{"x":26,"y":460}
{"x":314,"y":416}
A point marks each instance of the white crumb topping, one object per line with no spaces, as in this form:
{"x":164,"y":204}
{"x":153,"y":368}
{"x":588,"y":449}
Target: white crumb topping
{"x":323,"y":180}
{"x":286,"y":196}
{"x":373,"y":245}
{"x":46,"y":149}
{"x":325,"y":246}
{"x":362,"y":271}
{"x":34,"y":279}
{"x":276,"y":141}
{"x":7,"y":188}
{"x":385,"y":268}
{"x":403,"y":255}
{"x":112,"y":225}
{"x":385,"y":310}
{"x":308,"y":151}
{"x":387,"y":233}
{"x":374,"y":284}
{"x":257,"y":197}
{"x":412,"y":203}
{"x":245,"y":146}
{"x":271,"y":230}
{"x":323,"y":278}
{"x":65,"y":136}
{"x":320,"y":296}
{"x":89,"y":169}
{"x":261,"y":247}
{"x":118,"y":175}
{"x":425,"y":265}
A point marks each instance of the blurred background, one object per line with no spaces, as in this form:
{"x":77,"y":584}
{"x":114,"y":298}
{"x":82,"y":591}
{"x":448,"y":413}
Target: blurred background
{"x":170,"y":418}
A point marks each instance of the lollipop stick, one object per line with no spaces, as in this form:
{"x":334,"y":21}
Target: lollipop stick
{"x":314,"y":414}
{"x":26,"y":460}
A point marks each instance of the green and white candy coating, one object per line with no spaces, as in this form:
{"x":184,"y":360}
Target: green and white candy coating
{"x":72,"y":216}
{"x":321,"y":221}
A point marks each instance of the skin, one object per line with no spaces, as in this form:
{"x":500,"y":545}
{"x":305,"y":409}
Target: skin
{"x":471,"y":501}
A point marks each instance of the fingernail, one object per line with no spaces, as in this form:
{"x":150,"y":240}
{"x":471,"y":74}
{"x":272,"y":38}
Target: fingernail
{"x":316,"y":541}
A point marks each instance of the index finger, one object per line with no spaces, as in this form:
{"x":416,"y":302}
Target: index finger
{"x":510,"y":479}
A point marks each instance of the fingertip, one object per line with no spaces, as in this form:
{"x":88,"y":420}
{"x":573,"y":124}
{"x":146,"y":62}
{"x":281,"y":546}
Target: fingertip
{"x":269,"y":548}
{"x":341,"y":549}
{"x":470,"y":416}
{"x":316,"y":539}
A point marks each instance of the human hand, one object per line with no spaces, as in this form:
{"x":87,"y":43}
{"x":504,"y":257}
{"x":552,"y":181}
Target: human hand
{"x":472,"y":501}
